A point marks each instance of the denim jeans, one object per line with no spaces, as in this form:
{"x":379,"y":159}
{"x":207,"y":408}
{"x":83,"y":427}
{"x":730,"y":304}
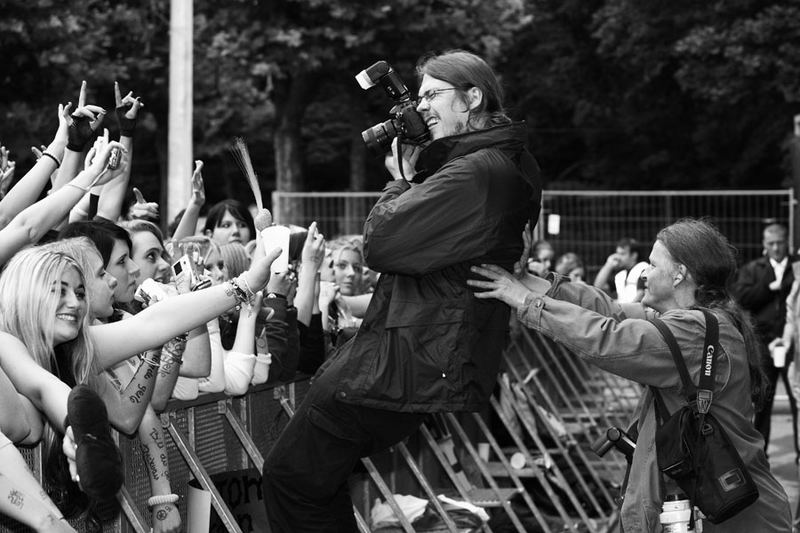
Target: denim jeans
{"x":305,"y":474}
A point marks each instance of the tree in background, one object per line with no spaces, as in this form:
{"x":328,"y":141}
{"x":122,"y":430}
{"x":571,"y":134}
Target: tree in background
{"x":619,"y":93}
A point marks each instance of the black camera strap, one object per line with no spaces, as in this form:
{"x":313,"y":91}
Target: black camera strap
{"x":699,"y":398}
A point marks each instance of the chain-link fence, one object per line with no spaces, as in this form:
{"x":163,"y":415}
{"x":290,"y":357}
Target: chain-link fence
{"x":588,"y":223}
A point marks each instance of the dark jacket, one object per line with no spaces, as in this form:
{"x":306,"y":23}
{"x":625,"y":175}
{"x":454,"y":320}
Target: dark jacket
{"x":768,"y":308}
{"x":426,"y":343}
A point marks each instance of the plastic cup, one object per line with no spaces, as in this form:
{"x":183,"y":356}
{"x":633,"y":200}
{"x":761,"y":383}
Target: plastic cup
{"x":779,"y":356}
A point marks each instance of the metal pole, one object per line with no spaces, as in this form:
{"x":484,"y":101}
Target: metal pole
{"x":179,"y":155}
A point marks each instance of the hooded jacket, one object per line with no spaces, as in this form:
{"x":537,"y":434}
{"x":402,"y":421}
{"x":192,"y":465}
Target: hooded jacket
{"x":426,"y":343}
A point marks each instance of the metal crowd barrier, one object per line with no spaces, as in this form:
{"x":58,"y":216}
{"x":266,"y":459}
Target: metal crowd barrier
{"x":550,"y":405}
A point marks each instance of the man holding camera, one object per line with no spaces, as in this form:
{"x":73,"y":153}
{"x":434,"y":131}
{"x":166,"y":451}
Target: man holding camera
{"x":426,"y":343}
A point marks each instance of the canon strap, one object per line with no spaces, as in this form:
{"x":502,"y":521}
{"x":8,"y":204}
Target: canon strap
{"x":701,"y":396}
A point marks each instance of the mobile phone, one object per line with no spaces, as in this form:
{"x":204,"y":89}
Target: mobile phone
{"x":114,"y":158}
{"x":182,"y":271}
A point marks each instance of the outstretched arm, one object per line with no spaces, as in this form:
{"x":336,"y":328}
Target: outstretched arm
{"x":168,"y":318}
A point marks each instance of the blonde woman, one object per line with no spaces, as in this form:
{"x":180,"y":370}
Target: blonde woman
{"x":45,"y":329}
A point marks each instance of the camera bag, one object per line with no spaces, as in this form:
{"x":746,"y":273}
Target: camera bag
{"x":692,"y":447}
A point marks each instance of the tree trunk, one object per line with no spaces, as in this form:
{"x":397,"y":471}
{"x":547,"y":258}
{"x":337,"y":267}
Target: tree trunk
{"x":291,"y":97}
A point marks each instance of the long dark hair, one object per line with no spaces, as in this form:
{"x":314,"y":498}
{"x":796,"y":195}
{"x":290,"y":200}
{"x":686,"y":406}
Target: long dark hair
{"x":465,"y":70}
{"x":711,"y":260}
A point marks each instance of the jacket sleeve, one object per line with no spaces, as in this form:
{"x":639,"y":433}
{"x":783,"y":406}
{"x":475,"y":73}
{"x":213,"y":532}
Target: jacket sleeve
{"x":417,"y":229}
{"x":751,"y":288}
{"x":594,"y":299}
{"x":631,"y":348}
{"x":312,"y":345}
{"x":277,"y":332}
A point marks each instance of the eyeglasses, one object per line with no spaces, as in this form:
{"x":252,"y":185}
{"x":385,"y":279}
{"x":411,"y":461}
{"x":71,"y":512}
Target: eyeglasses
{"x":430,"y":96}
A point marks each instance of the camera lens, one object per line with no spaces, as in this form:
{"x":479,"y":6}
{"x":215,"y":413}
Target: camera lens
{"x":378,"y":138}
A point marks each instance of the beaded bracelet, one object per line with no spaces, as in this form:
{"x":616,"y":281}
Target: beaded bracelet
{"x":240,"y":289}
{"x":161,"y":499}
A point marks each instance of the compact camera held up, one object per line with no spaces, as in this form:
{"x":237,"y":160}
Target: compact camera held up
{"x":406,"y":123}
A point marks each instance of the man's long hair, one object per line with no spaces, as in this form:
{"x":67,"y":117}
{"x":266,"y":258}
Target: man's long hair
{"x":711,"y":260}
{"x":465,"y":70}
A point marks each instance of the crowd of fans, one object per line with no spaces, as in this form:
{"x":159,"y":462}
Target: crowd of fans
{"x":104,"y":319}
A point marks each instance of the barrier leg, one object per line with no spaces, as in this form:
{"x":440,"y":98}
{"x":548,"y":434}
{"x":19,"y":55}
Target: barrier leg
{"x":183,"y":445}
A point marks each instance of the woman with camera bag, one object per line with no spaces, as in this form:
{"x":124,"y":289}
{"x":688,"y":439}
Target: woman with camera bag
{"x":690,"y":266}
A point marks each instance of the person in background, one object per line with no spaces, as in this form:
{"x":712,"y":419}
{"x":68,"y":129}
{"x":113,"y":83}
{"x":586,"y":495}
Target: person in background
{"x":229,"y":221}
{"x":541,"y":260}
{"x":761,"y":287}
{"x":570,"y":265}
{"x":625,"y":265}
{"x":691,"y":265}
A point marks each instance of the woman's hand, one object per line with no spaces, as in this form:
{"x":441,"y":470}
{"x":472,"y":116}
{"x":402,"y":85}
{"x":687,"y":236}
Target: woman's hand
{"x":280,"y":283}
{"x":258,"y":274}
{"x":68,"y":447}
{"x":521,"y":266}
{"x":198,"y":187}
{"x":166,"y":518}
{"x":142,"y":209}
{"x":314,"y":248}
{"x":501,"y":285}
{"x":97,"y":160}
{"x":83,"y":122}
{"x":126,"y":109}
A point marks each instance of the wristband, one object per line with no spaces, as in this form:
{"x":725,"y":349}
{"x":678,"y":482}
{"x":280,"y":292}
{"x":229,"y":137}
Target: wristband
{"x":54,"y":158}
{"x":126,"y":125}
{"x":78,"y":133}
{"x":161,"y":499}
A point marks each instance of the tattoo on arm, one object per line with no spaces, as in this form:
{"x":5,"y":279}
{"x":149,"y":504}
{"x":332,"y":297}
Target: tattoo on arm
{"x":16,"y":498}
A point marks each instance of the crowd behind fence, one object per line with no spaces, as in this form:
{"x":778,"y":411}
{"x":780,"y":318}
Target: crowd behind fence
{"x":585,"y":222}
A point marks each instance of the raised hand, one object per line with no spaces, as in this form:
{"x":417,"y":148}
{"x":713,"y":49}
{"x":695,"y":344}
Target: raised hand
{"x":198,"y":187}
{"x":258,"y":274}
{"x":7,"y":168}
{"x":97,"y":160}
{"x":83,"y":122}
{"x":126,"y":110}
{"x":142,"y":208}
{"x":521,"y":266}
{"x":314,"y":248}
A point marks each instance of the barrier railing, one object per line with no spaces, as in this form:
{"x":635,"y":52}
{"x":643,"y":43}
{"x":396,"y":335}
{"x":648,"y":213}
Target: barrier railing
{"x":550,"y":404}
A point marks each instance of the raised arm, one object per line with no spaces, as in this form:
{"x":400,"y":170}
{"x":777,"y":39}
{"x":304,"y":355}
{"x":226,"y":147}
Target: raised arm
{"x":311,"y":258}
{"x":81,"y":125}
{"x":30,"y":186}
{"x":188,"y":224}
{"x":112,"y":196}
{"x":32,"y":223}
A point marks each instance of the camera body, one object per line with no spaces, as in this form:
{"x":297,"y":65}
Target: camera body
{"x":406,"y":122}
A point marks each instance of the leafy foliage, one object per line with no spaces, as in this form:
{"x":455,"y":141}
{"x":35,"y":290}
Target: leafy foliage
{"x":617,"y":93}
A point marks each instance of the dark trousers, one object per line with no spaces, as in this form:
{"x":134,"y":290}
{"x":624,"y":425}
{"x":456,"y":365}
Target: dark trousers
{"x":763,"y":418}
{"x":305,"y":474}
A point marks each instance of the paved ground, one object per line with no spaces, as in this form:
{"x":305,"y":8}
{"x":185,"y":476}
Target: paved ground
{"x":781,"y":450}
